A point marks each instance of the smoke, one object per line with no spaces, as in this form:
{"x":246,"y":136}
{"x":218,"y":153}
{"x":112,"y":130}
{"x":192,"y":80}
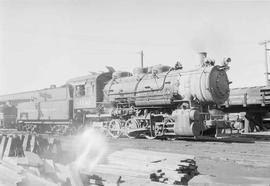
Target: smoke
{"x":90,"y":147}
{"x":213,"y":36}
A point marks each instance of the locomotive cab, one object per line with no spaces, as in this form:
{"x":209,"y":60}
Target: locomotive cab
{"x":88,"y":95}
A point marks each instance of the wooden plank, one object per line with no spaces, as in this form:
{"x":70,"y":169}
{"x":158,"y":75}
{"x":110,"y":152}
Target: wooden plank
{"x":33,"y":143}
{"x":18,"y":146}
{"x":25,"y":142}
{"x":33,"y":180}
{"x":3,"y":146}
{"x":34,"y":170}
{"x":9,"y":176}
{"x":153,"y":154}
{"x":49,"y":166}
{"x":136,"y":158}
{"x":11,"y":163}
{"x":201,"y":180}
{"x":120,"y":172}
{"x":247,"y":127}
{"x":137,"y":164}
{"x":140,"y":164}
{"x":31,"y":159}
{"x":62,"y":172}
{"x":109,"y":179}
{"x":74,"y":177}
{"x":8,"y":147}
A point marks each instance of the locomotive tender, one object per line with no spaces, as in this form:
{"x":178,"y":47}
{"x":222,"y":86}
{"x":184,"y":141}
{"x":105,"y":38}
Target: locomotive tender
{"x":47,"y":108}
{"x":154,"y":101}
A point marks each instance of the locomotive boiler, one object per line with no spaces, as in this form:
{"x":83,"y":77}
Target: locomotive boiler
{"x":163,"y":100}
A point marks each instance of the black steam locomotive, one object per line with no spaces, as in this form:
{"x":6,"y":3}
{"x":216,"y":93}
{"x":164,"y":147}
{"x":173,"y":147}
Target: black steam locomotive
{"x":151,"y":102}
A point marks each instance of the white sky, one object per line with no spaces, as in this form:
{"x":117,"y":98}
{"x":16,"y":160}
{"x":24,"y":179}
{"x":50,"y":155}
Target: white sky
{"x":45,"y":42}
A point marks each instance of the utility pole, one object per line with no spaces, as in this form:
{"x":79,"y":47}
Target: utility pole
{"x":266,"y":61}
{"x":142,"y":58}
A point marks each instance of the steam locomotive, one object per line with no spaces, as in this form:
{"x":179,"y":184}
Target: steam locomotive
{"x":151,"y":102}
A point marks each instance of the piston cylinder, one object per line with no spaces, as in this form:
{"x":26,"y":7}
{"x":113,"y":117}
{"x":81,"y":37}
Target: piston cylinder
{"x":184,"y":125}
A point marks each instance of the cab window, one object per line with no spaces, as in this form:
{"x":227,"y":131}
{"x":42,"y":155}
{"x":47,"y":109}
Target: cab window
{"x":80,"y":90}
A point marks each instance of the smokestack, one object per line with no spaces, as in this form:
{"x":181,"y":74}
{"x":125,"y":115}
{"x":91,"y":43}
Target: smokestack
{"x":202,"y":55}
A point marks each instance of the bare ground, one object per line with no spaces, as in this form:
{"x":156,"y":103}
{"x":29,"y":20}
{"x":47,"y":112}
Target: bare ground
{"x":225,"y":163}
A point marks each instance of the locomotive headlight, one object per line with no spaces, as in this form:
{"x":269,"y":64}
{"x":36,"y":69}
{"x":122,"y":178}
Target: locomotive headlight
{"x":225,"y":62}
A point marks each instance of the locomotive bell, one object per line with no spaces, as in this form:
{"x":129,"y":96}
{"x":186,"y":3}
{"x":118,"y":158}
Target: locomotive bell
{"x":203,"y":56}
